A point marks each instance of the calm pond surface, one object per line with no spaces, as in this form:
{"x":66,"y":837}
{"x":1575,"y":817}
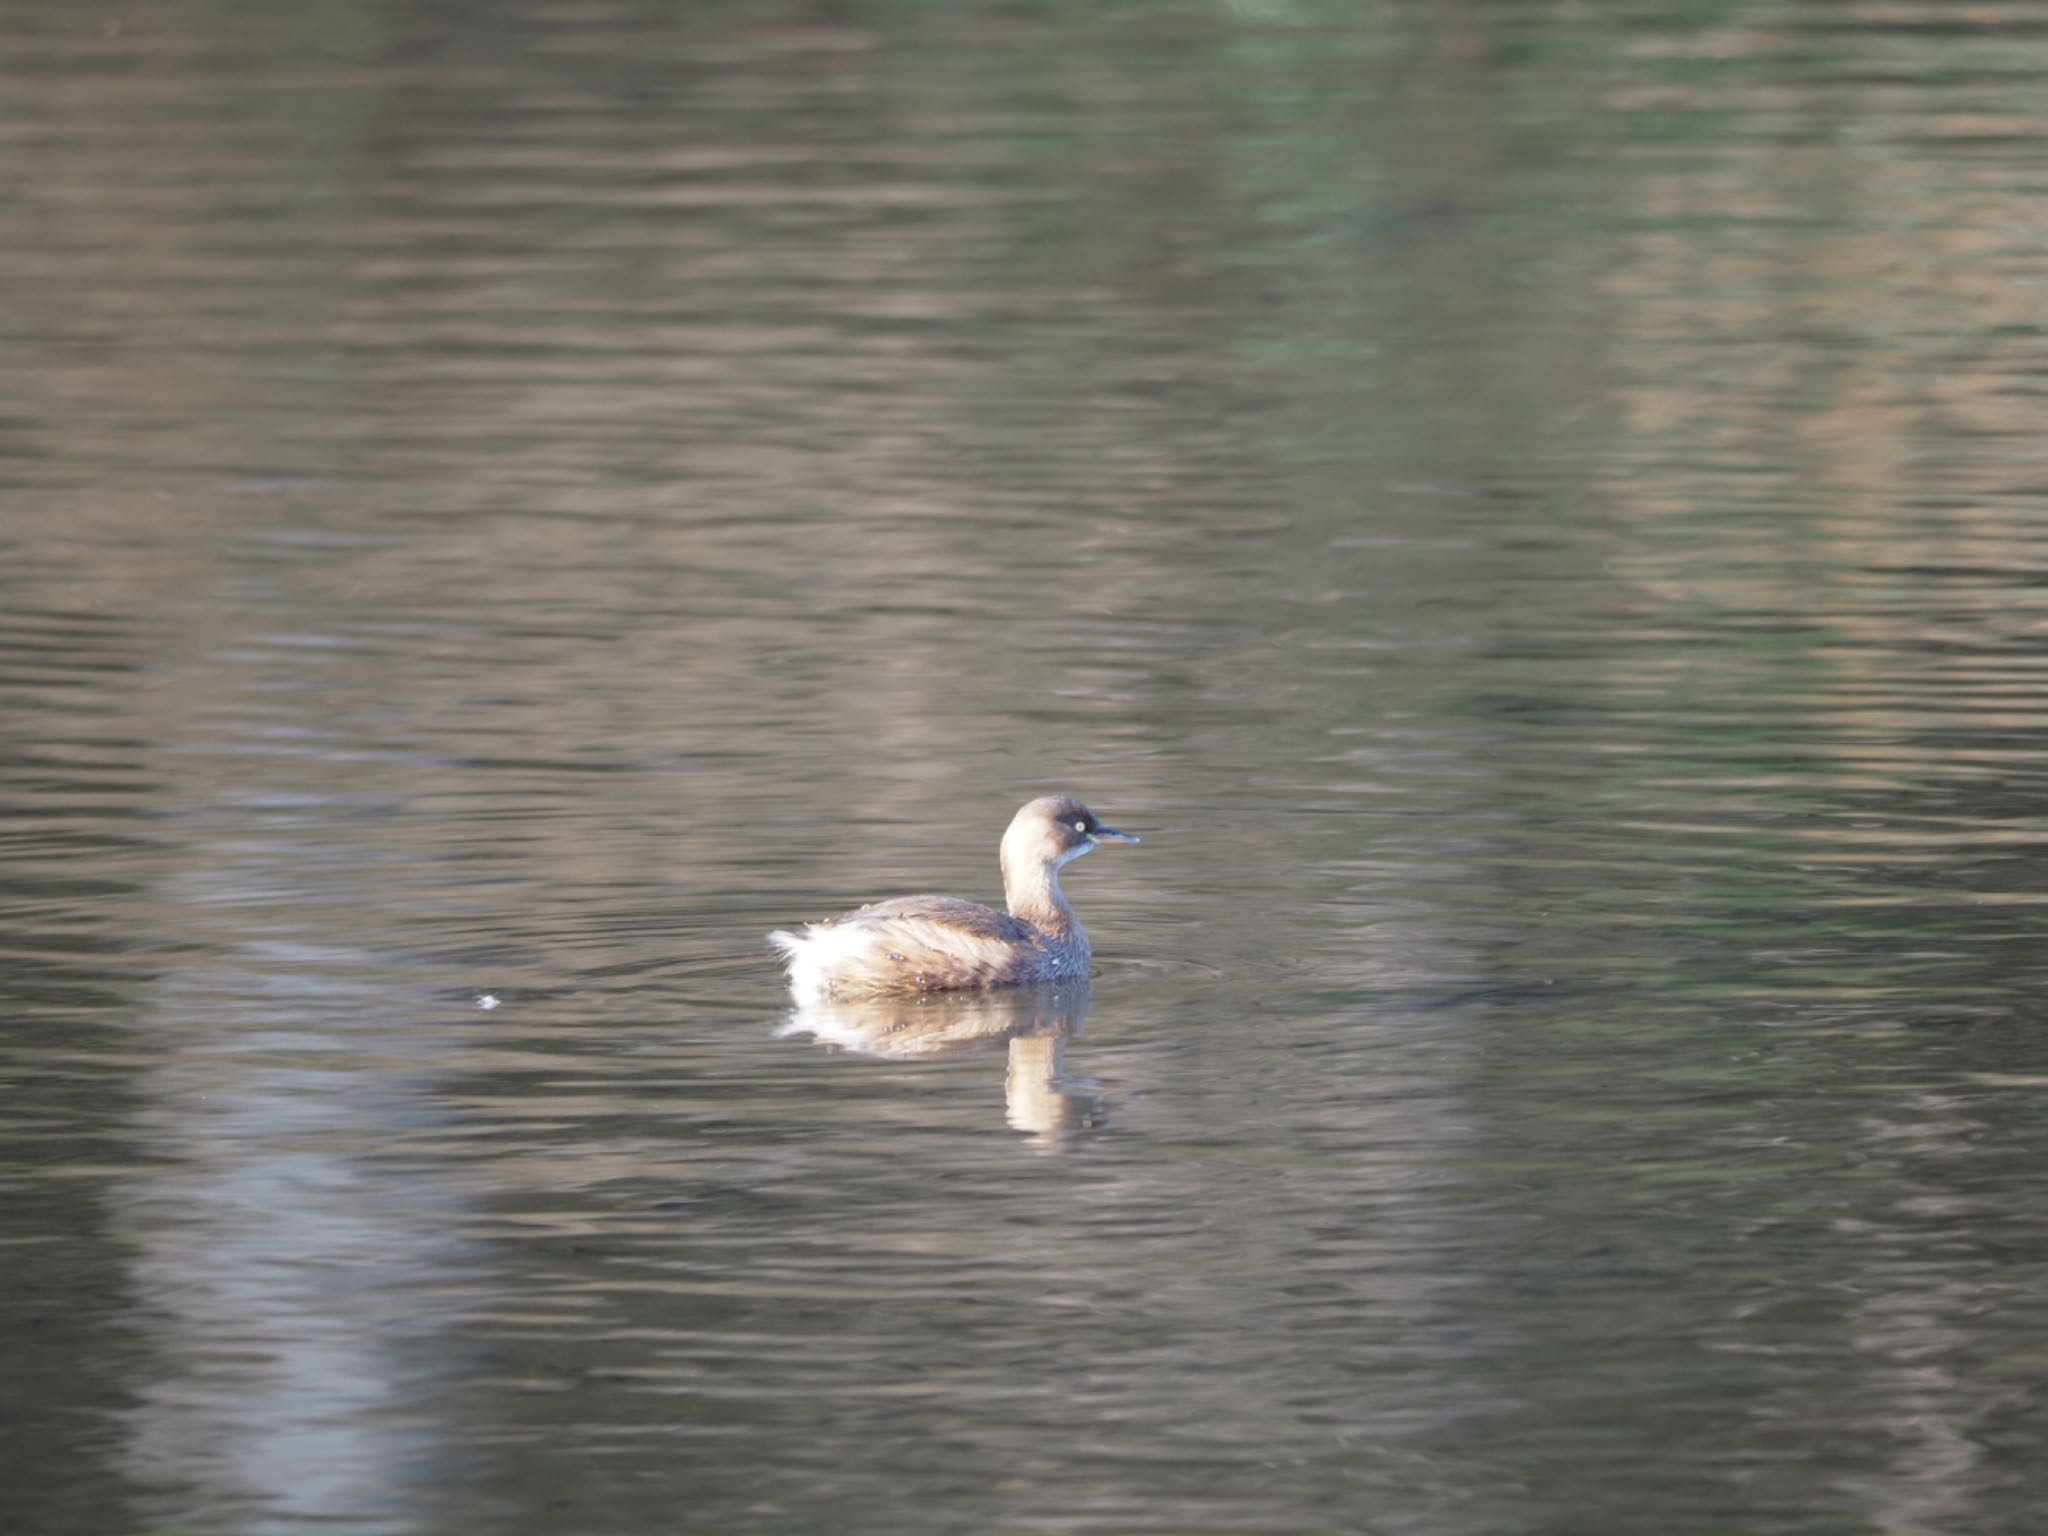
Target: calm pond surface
{"x":1537,"y":513}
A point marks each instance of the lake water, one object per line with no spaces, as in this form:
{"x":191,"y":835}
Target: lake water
{"x":1538,"y":514}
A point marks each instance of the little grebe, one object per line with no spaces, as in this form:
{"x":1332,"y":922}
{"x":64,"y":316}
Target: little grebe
{"x":937,"y":943}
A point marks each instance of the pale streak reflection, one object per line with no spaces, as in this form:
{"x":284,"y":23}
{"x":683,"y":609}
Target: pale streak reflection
{"x":276,"y":1267}
{"x":1935,"y":1410}
{"x":1035,"y":1023}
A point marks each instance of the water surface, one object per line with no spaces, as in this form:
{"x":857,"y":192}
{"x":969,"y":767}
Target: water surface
{"x":1537,"y":515}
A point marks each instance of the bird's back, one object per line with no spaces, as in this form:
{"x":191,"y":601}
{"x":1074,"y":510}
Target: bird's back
{"x":921,"y":944}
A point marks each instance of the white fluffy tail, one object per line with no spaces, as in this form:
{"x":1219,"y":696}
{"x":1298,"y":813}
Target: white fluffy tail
{"x":803,"y":954}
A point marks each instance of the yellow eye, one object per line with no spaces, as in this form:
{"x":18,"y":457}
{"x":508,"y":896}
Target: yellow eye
{"x":1080,"y":826}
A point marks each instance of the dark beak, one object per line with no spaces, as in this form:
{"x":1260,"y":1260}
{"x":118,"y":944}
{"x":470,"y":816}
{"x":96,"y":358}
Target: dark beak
{"x":1111,"y":836}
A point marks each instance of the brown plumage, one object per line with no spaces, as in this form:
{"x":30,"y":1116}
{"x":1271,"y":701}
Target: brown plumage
{"x":940,"y":943}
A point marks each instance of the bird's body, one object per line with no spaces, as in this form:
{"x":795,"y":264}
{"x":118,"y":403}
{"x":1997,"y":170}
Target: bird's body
{"x":940,"y":943}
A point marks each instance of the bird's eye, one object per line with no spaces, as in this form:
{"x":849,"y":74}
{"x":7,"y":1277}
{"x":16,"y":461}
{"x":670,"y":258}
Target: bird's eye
{"x":1080,"y":826}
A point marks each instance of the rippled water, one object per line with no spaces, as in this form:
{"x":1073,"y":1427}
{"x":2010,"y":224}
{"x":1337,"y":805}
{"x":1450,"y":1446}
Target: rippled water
{"x":1537,"y":514}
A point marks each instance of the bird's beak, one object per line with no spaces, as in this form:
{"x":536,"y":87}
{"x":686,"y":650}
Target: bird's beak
{"x":1111,"y":836}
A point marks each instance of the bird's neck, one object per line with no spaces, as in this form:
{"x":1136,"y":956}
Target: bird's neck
{"x":1032,"y":888}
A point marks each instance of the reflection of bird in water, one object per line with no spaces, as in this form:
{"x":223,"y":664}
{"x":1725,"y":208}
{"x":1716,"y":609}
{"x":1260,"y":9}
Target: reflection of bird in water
{"x":1035,"y":1021}
{"x":940,"y":943}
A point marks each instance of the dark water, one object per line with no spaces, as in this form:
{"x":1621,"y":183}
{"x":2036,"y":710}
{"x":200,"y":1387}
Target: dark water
{"x":1538,"y":513}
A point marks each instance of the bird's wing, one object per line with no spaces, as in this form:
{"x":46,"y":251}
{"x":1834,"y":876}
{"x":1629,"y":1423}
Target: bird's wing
{"x":970,"y":918}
